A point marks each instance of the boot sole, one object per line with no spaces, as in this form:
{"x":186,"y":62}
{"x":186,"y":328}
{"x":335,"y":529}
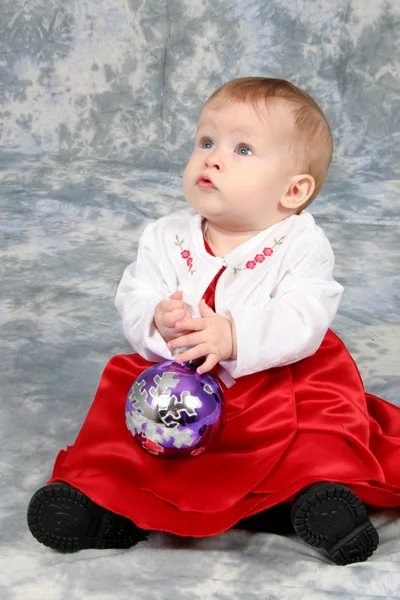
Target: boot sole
{"x":64,"y":519}
{"x":331,"y":517}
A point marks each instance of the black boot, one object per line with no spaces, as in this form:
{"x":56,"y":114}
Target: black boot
{"x":61,"y":517}
{"x":330,"y":516}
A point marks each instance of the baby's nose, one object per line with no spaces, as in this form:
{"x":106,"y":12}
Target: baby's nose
{"x":213,"y":161}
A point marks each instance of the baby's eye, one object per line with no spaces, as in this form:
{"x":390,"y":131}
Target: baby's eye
{"x":206,"y":144}
{"x":244,"y":150}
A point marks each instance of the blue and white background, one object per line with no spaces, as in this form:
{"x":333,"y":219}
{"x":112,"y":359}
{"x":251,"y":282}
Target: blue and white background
{"x":98,"y":108}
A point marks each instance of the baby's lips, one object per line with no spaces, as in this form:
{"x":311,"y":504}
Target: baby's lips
{"x":206,"y":180}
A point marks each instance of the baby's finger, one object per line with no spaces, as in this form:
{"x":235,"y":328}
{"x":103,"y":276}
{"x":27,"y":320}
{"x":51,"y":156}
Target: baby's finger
{"x":176,"y":296}
{"x":171,"y":317}
{"x":188,"y":315}
{"x":169,"y":305}
{"x":188,"y":340}
{"x":192,"y":353}
{"x":192,"y":324}
{"x":208,"y":364}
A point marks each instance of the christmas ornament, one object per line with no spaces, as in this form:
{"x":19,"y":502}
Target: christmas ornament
{"x":172,"y":411}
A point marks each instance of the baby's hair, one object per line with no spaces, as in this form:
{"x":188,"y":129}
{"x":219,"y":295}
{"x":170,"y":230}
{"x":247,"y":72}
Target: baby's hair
{"x":313,"y":145}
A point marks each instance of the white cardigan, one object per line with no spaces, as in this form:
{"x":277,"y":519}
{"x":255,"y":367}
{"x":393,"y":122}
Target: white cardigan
{"x":278,"y":288}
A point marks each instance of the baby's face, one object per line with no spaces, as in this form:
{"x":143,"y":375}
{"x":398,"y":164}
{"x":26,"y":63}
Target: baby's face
{"x":241,"y":165}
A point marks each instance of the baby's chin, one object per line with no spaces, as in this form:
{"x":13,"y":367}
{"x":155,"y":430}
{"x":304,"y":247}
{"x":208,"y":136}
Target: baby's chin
{"x":223,"y":221}
{"x":211,"y":213}
{"x":208,"y":207}
{"x":217,"y":210}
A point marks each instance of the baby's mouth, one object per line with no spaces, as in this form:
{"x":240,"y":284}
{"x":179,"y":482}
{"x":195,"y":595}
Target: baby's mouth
{"x":205,"y":183}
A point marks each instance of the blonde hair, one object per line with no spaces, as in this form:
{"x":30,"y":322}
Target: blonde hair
{"x":313,"y":142}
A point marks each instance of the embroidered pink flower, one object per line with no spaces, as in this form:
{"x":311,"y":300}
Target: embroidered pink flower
{"x":185,"y":254}
{"x":259,"y":258}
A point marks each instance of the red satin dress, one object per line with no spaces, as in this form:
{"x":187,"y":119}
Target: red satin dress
{"x":286,"y":428}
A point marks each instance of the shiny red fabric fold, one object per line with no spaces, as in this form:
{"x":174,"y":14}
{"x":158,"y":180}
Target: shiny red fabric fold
{"x":286,"y":428}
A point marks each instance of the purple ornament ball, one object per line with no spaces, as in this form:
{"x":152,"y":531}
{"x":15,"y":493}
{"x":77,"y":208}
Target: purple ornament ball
{"x":174,"y":412}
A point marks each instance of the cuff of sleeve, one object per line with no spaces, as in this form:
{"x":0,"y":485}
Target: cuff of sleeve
{"x":151,"y":345}
{"x":233,"y":367}
{"x":153,"y":341}
{"x":248,"y":357}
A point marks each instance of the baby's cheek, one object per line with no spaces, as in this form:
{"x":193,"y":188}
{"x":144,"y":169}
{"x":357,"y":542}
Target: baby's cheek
{"x":240,"y":179}
{"x":187,"y":179}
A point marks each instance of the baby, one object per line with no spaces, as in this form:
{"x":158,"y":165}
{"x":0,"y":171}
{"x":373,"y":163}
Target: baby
{"x":261,"y":155}
{"x":240,"y":282}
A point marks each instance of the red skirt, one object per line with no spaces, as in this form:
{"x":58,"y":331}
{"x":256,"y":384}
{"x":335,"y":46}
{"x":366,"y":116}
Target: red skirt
{"x":286,"y":428}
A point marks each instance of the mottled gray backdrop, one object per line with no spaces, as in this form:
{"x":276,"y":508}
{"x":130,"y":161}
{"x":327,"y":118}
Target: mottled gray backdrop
{"x":98,"y":101}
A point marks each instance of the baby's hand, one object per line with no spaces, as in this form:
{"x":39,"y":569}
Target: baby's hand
{"x":212,"y":336}
{"x":167,"y":313}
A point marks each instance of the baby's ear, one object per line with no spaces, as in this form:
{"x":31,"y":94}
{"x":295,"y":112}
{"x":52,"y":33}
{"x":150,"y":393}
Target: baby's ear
{"x":300,"y":189}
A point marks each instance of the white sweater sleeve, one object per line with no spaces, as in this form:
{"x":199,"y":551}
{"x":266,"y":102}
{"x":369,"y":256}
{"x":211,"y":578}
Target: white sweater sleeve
{"x":296,"y":316}
{"x":142,"y":287}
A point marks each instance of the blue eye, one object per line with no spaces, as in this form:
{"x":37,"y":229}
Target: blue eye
{"x":244,"y":150}
{"x":206,"y":144}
